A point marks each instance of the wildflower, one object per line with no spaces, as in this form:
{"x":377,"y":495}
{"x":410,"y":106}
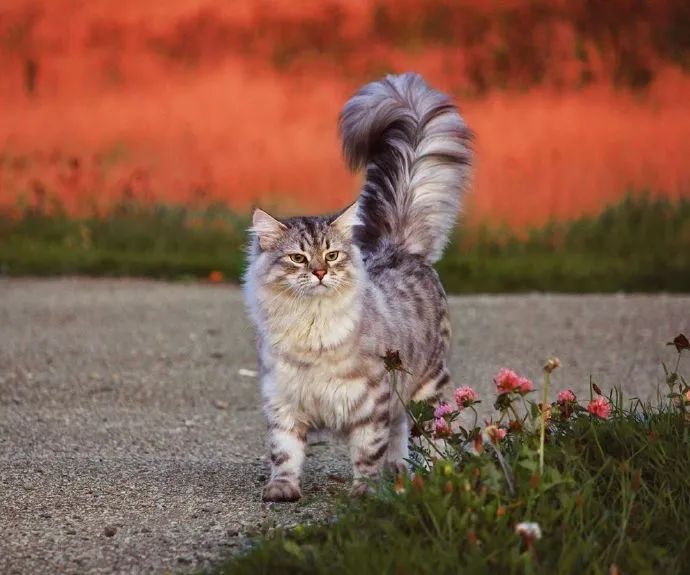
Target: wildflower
{"x":400,"y":484}
{"x":686,"y":397}
{"x":478,"y":444}
{"x":600,"y":407}
{"x":551,"y":364}
{"x":465,"y":396}
{"x":681,"y":342}
{"x":506,"y":381}
{"x":546,"y":409}
{"x":524,"y":386}
{"x":495,"y":434}
{"x":215,"y":276}
{"x":529,"y":531}
{"x":566,"y":396}
{"x":442,"y":409}
{"x":566,"y":401}
{"x":441,"y":427}
{"x":392,"y":361}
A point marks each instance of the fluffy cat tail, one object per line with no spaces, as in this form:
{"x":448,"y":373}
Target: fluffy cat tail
{"x":416,"y":149}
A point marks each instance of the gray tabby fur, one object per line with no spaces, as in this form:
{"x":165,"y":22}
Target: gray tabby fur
{"x":321,"y":339}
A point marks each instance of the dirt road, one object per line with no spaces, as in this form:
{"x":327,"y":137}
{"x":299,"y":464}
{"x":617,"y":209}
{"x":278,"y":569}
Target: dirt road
{"x":131,"y":437}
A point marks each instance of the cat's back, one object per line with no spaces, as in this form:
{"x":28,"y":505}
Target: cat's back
{"x":406,"y":276}
{"x":408,"y":291}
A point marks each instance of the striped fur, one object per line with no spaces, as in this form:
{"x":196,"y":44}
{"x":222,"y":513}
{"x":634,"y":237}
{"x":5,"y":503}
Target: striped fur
{"x":324,"y":322}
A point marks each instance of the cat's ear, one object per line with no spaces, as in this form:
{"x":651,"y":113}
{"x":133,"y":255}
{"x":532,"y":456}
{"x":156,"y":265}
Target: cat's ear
{"x":347,"y":219}
{"x":267,"y":229}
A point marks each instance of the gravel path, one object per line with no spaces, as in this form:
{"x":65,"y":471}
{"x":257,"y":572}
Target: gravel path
{"x":131,"y":441}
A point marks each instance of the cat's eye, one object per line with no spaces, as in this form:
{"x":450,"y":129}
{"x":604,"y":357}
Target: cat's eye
{"x":298,"y":258}
{"x":332,"y":256}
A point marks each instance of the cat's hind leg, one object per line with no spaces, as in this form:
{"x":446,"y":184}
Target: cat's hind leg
{"x":431,"y":387}
{"x":398,"y":451}
{"x":368,"y":437}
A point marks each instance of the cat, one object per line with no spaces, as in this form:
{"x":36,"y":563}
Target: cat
{"x":330,"y":296}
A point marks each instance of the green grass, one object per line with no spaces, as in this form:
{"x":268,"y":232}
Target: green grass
{"x":170,"y":242}
{"x":613,"y":493}
{"x":641,"y":244}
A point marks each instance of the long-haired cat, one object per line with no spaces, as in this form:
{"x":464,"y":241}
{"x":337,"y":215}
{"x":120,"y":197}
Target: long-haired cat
{"x":330,"y":296}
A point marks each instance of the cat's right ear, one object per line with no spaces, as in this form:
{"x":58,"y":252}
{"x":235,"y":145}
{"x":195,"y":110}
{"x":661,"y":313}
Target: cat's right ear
{"x":267,"y":229}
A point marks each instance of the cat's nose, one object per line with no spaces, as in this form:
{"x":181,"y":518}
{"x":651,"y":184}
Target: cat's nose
{"x":319,"y":274}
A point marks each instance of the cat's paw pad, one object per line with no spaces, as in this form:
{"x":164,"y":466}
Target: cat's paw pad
{"x":281,"y":490}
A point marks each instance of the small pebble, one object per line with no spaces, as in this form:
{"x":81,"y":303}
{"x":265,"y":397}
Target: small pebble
{"x":109,"y":531}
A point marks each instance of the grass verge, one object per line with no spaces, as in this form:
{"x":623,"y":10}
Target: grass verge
{"x":641,"y":244}
{"x":613,"y":497}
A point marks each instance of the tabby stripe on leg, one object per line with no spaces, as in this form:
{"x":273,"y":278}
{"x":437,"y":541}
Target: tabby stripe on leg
{"x":279,"y":458}
{"x":370,"y":459}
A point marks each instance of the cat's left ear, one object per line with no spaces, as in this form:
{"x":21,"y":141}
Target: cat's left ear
{"x":347,"y":219}
{"x":267,"y":229}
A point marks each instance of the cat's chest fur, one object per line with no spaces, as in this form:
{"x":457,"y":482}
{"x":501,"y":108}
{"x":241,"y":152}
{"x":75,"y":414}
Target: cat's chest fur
{"x":318,"y":394}
{"x":314,"y":358}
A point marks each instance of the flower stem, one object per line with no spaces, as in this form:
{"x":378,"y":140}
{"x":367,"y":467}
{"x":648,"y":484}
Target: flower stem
{"x":504,"y":467}
{"x":394,"y":379}
{"x":476,"y":417}
{"x":527,"y":413}
{"x":517,"y":417}
{"x":542,"y":432}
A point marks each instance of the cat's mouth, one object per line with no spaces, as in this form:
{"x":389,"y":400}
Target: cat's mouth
{"x":320,"y":288}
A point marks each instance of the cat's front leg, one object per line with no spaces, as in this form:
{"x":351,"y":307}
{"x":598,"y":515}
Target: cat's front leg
{"x":286,"y":444}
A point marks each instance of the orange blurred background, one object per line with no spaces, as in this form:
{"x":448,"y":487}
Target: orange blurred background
{"x":573,"y":102}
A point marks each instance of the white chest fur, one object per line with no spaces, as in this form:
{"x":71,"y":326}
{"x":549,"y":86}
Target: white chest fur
{"x":310,"y":350}
{"x":315,"y":395}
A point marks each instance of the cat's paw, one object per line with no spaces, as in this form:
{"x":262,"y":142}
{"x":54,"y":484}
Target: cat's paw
{"x":281,"y":490}
{"x":360,"y":488}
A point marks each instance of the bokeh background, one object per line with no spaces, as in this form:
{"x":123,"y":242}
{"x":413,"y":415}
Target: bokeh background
{"x":121,"y":118}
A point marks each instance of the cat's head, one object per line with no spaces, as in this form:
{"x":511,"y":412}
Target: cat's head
{"x":305,"y":256}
